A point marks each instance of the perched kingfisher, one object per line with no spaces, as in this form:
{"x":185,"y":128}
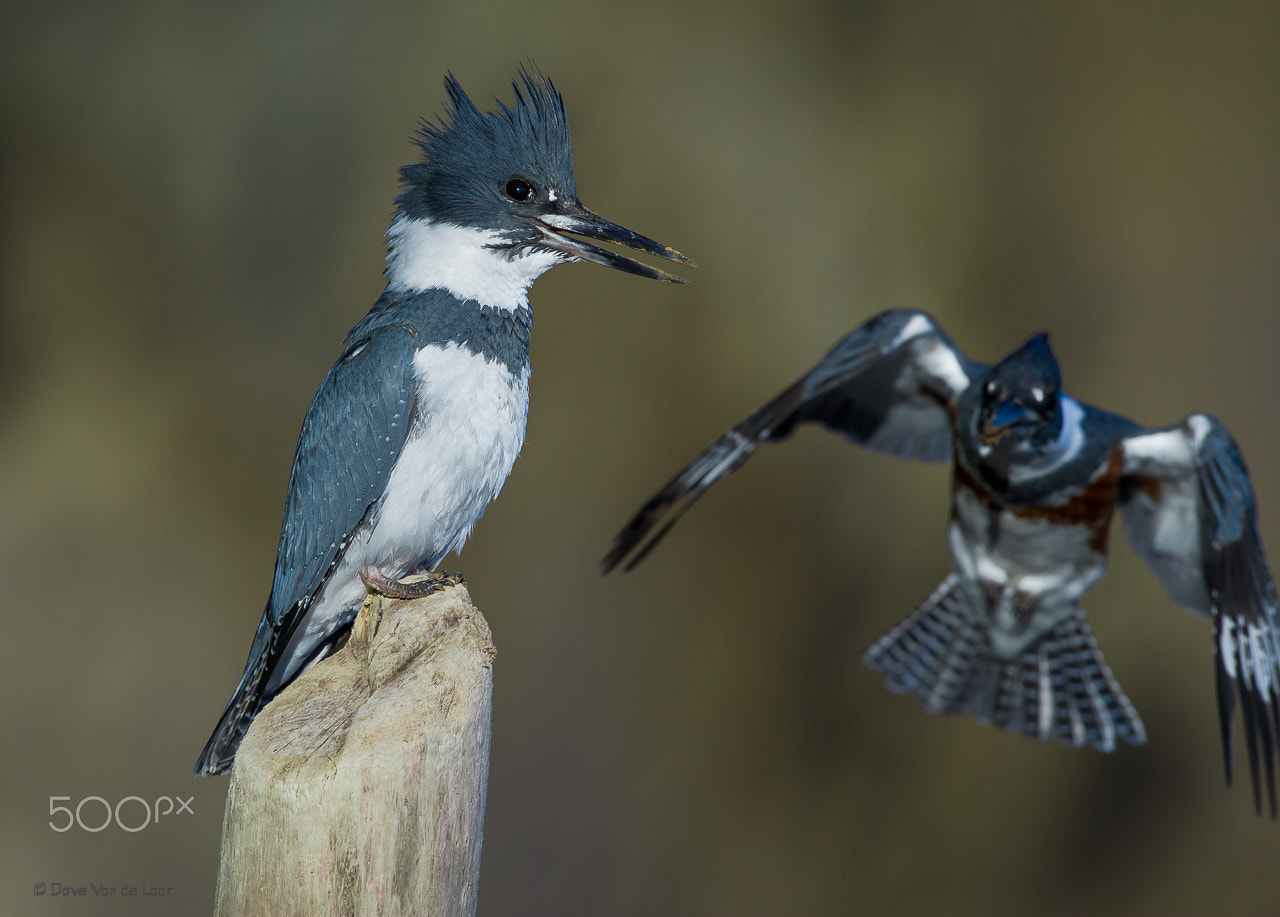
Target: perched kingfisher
{"x":415,"y":428}
{"x":1036,"y":477}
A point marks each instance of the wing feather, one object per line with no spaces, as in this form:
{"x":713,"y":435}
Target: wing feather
{"x":353,"y":431}
{"x":1189,"y":511}
{"x":889,"y":385}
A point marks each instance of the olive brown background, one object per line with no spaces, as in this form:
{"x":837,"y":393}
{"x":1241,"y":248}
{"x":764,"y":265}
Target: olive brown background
{"x":192,"y":199}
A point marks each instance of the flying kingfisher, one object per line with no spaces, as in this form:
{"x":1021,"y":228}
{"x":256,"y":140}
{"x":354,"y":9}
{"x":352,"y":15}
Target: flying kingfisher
{"x":1036,"y":478}
{"x":416,"y":427}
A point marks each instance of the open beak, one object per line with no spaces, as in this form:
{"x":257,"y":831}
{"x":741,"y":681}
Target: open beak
{"x":576,"y":219}
{"x":1007,"y":415}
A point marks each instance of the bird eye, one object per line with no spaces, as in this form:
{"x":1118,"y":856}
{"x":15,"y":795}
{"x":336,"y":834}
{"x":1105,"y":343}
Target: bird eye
{"x":990,"y":387}
{"x":1038,"y":395}
{"x":519,"y":190}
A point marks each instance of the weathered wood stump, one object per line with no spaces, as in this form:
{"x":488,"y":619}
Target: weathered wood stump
{"x":361,"y":788}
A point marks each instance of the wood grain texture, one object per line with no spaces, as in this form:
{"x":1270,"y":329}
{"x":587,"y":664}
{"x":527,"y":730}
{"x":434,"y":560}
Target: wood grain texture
{"x":361,"y":788}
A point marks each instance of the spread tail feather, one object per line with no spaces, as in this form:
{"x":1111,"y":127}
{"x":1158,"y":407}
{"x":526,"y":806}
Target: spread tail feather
{"x":1060,"y":687}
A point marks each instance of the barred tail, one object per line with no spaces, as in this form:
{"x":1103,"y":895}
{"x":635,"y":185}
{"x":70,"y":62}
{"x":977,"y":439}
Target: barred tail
{"x":1060,"y":687}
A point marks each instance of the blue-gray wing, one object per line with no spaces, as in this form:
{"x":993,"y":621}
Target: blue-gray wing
{"x":1189,"y":511}
{"x":890,"y":385}
{"x":353,"y":433}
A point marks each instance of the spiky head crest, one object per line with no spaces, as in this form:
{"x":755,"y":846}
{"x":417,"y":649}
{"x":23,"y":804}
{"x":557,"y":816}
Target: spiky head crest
{"x":469,"y":156}
{"x":1031,"y":366}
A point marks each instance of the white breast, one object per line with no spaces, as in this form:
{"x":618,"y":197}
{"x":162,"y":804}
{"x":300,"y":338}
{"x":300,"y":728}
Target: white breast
{"x":1025,"y":550}
{"x":1031,"y":575}
{"x":467,"y":431}
{"x":464,"y":438}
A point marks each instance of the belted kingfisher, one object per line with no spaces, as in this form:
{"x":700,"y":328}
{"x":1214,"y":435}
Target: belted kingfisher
{"x":416,"y":427}
{"x":1036,"y":477}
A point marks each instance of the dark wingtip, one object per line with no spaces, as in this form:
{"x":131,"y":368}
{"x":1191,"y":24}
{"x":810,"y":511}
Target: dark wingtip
{"x":649,"y":545}
{"x":1274,"y":725}
{"x":1251,"y":748}
{"x":1226,"y":704}
{"x":1266,"y":741}
{"x":612,"y":559}
{"x":1259,"y":717}
{"x":625,"y":541}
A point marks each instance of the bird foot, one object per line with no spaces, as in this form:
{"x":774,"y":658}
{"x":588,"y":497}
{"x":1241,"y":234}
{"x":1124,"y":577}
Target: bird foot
{"x":378,"y":582}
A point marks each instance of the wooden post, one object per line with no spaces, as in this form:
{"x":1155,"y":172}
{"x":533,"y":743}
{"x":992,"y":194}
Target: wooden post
{"x":361,"y":788}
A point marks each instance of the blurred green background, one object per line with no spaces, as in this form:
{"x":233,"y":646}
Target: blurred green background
{"x":192,"y":199}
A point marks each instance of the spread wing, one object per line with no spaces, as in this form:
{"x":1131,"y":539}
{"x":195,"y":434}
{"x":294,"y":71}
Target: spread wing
{"x":1189,"y":511}
{"x":890,"y":385}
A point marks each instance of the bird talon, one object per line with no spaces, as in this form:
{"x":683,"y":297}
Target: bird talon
{"x":379,"y":583}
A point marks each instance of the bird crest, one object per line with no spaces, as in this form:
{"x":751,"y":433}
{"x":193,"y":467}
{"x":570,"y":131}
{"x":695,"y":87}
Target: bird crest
{"x":468,"y":154}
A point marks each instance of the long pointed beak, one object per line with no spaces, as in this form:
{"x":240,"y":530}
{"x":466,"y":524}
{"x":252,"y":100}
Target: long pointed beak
{"x":579,"y":220}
